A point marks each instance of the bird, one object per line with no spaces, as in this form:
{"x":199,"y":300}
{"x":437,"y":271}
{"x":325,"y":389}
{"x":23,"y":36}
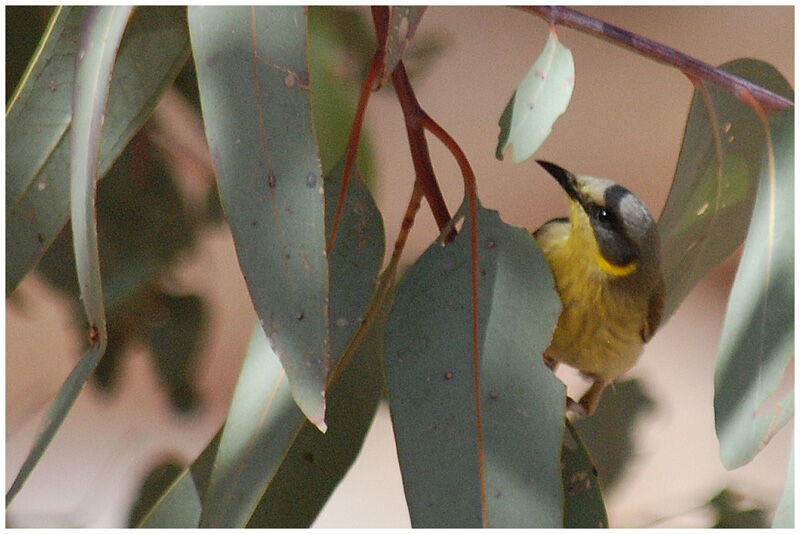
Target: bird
{"x":606,"y":267}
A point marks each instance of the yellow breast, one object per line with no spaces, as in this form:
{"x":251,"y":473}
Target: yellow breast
{"x":599,"y":329}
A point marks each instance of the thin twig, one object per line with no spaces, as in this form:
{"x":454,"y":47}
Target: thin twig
{"x":413,"y":114}
{"x":375,"y":69}
{"x":694,"y":68}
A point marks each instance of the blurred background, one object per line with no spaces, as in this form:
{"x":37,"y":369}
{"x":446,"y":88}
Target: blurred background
{"x":625,"y":121}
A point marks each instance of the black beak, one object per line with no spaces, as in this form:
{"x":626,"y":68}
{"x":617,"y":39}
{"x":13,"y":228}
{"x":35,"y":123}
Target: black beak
{"x":565,"y":178}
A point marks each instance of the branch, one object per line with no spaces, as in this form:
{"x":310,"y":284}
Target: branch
{"x":693,"y":68}
{"x":413,"y":115}
{"x":380,"y":17}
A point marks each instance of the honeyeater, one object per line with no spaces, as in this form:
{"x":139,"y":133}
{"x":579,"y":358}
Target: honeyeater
{"x":605,"y":263}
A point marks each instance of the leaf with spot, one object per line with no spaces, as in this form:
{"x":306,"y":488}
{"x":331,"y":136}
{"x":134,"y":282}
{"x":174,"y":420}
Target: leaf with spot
{"x":143,"y":228}
{"x":253,"y":81}
{"x":39,"y":115}
{"x":757,"y":340}
{"x":268,"y":449}
{"x":583,"y":500}
{"x":468,"y":457}
{"x":709,"y":204}
{"x":100,"y":35}
{"x":541,"y":97}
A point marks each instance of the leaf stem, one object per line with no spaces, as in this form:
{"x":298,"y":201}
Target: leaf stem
{"x":414,"y":116}
{"x":693,"y":68}
{"x":375,"y":68}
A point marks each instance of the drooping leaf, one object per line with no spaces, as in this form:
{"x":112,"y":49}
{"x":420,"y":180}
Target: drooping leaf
{"x":143,"y":227}
{"x":784,"y":514}
{"x":179,"y":505}
{"x":268,"y":450}
{"x":39,"y":114}
{"x":709,"y":205}
{"x":316,"y":463}
{"x":757,"y":340}
{"x":157,"y":483}
{"x":583,"y":500}
{"x":431,"y":383}
{"x":100,"y":34}
{"x":261,"y":422}
{"x":253,"y":80}
{"x":355,"y":259}
{"x":541,"y":97}
{"x":608,"y":433}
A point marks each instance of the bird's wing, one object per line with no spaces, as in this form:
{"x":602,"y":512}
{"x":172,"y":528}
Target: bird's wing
{"x":655,"y":305}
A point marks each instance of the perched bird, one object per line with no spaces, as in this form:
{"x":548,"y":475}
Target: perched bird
{"x":605,"y":263}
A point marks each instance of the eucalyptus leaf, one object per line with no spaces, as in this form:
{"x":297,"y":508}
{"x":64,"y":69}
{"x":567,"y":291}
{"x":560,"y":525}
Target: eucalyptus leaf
{"x":100,"y":35}
{"x":143,"y":228}
{"x":583,"y":500}
{"x":268,"y":450}
{"x":253,"y":80}
{"x":432,"y":385}
{"x":757,"y":340}
{"x":541,"y":97}
{"x":316,"y":463}
{"x":609,"y":432}
{"x":158,"y":481}
{"x":39,"y":115}
{"x":709,"y":204}
{"x":179,"y":505}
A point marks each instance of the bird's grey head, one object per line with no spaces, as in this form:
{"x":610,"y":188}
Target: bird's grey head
{"x":625,"y":231}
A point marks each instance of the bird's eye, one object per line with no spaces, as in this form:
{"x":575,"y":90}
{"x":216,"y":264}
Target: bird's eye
{"x":605,"y":216}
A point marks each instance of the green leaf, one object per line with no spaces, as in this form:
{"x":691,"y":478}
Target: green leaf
{"x":355,"y":259}
{"x":784,"y":514}
{"x":268,"y":450}
{"x":178,"y":506}
{"x":757,"y":340}
{"x":143,"y":227}
{"x":158,"y":481}
{"x":253,"y":80}
{"x":403,"y":23}
{"x":708,"y":209}
{"x":431,"y":382}
{"x":316,"y":463}
{"x":541,"y":97}
{"x":100,"y":35}
{"x":39,"y":114}
{"x":608,"y":433}
{"x":583,"y":501}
